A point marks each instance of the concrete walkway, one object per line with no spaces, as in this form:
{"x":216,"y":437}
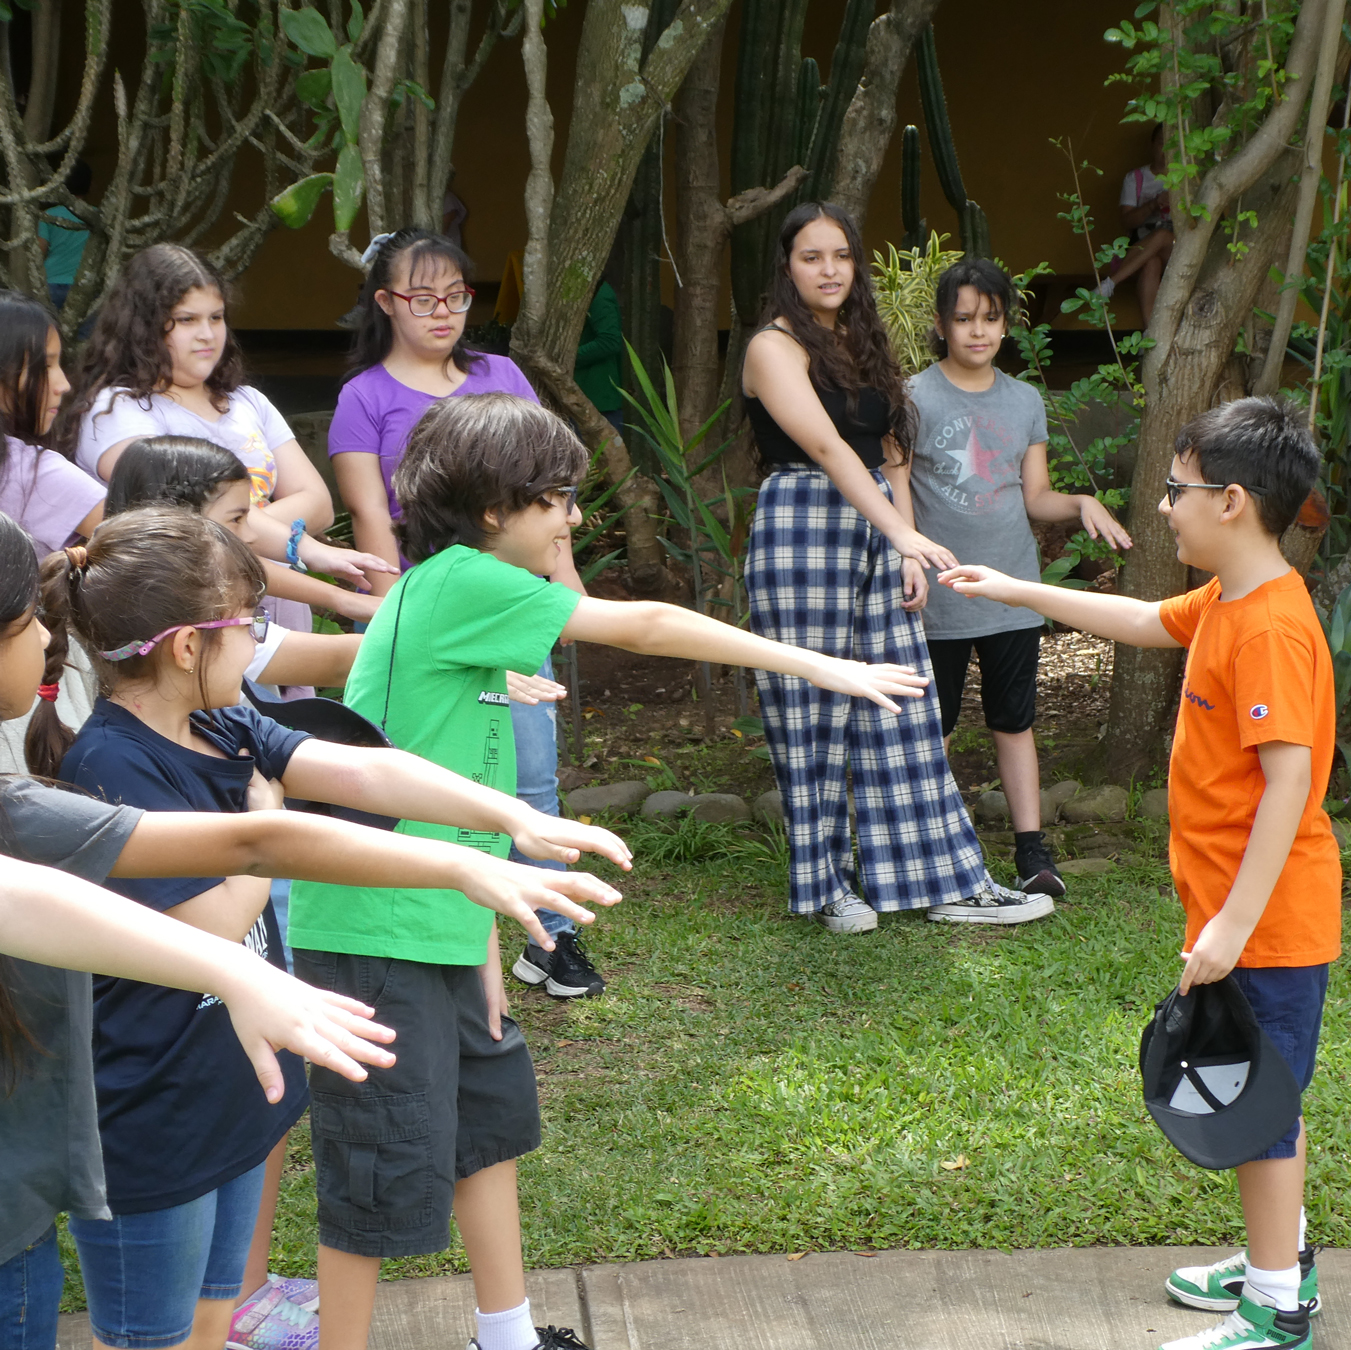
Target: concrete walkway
{"x":1071,"y":1299}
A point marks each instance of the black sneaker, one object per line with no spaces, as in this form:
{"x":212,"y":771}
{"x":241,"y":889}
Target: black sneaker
{"x":552,"y":1338}
{"x":1037,"y":872}
{"x":565,"y":972}
{"x":993,"y":903}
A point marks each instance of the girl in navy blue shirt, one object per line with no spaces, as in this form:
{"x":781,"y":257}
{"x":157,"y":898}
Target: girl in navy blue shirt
{"x":166,"y":601}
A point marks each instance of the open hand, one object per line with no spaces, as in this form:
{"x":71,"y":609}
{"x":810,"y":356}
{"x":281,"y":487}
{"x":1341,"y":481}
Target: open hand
{"x":554,"y":839}
{"x":973,"y":579}
{"x":517,"y":891}
{"x":871,"y":682}
{"x":342,"y":562}
{"x":532,"y":689}
{"x":271,"y":1010}
{"x":1214,"y":953}
{"x":1102,"y":524}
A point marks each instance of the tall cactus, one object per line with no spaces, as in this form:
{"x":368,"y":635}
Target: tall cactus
{"x":975,"y":229}
{"x":916,"y":227}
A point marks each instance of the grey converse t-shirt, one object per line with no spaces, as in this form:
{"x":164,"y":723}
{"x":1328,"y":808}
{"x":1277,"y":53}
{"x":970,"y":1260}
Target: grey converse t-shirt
{"x":49,"y":1134}
{"x":967,"y":483}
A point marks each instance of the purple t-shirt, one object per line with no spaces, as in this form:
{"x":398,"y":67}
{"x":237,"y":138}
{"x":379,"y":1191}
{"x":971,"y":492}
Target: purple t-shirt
{"x":376,"y":412}
{"x":46,"y":494}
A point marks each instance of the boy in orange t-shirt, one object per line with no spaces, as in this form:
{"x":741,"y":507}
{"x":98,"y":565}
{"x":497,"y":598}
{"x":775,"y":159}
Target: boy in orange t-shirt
{"x":1250,"y":846}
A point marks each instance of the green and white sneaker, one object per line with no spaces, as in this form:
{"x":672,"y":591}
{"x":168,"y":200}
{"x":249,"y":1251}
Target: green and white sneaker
{"x":1251,"y":1327}
{"x":1217,"y":1288}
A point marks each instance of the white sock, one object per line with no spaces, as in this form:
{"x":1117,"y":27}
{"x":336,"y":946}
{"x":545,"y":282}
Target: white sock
{"x":513,"y":1329}
{"x":1106,"y":287}
{"x":1269,"y":1288}
{"x":1303,"y":1228}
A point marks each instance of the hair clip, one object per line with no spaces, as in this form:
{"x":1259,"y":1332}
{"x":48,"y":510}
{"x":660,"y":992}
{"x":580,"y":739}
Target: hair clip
{"x":374,"y":247}
{"x":48,"y":691}
{"x":77,"y":556}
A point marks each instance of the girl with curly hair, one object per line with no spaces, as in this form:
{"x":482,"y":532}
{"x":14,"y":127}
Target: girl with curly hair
{"x":835,"y":563}
{"x":162,"y":361}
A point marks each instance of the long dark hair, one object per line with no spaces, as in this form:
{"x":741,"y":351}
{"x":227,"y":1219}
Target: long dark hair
{"x":127,"y":349}
{"x":24,"y":328}
{"x":170,"y":471}
{"x":375,"y":332}
{"x":856,"y":354}
{"x":18,"y":596}
{"x":142,"y":572}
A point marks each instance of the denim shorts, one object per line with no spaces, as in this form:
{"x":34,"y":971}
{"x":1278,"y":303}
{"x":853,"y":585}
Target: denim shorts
{"x":143,"y":1273}
{"x":1288,"y":1004}
{"x":30,"y":1296}
{"x":388,"y":1152}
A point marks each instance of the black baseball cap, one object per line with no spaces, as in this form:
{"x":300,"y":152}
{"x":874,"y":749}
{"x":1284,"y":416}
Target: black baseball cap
{"x":1214,"y":1081}
{"x":327,"y":720}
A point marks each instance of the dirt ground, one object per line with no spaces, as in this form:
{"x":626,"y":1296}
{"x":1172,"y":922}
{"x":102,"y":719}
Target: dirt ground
{"x":639,"y":715}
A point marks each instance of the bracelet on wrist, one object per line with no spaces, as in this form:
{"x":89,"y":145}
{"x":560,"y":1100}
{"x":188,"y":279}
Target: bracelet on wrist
{"x":293,"y":546}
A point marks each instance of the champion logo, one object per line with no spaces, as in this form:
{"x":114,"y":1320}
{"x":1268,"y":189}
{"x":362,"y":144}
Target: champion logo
{"x":1203,"y":703}
{"x":500,"y":700}
{"x":1258,"y":711}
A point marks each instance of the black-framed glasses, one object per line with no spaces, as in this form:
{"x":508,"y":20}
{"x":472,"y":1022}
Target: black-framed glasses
{"x":424,"y":306}
{"x":568,"y":494}
{"x":1176,"y":489}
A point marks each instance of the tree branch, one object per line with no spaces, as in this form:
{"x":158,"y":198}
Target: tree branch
{"x":757,"y":200}
{"x":539,"y":186}
{"x":375,"y":108}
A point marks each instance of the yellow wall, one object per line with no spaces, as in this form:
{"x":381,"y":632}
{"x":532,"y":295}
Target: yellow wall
{"x":1016,"y":76}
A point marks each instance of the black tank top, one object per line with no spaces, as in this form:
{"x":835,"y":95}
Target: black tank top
{"x":863,"y":431}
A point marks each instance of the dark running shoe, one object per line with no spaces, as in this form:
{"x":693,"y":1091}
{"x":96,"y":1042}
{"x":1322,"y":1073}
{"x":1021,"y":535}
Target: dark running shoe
{"x":552,"y":1338}
{"x":1037,"y":872}
{"x":565,"y":972}
{"x":993,"y":903}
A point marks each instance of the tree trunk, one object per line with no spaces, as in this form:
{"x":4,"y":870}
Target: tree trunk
{"x":871,"y":116}
{"x":617,"y":99}
{"x":1145,"y":680}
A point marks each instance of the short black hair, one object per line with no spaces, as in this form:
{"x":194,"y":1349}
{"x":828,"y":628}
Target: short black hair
{"x":1259,"y":443}
{"x":474,"y":454}
{"x":989,"y":279}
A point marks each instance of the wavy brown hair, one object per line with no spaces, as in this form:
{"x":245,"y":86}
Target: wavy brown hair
{"x":856,"y":354}
{"x":142,"y":572}
{"x":127,"y":349}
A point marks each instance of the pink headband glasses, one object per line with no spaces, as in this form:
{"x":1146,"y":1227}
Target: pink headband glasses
{"x":257,"y":630}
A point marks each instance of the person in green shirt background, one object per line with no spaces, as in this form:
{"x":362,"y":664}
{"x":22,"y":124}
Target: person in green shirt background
{"x":62,"y":248}
{"x":598,"y":371}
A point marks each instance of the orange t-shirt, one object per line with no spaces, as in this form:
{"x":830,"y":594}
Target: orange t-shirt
{"x":1258,"y":670}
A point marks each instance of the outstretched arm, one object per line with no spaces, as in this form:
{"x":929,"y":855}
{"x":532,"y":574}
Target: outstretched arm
{"x":666,"y":630}
{"x":255,"y":844}
{"x":399,"y":784}
{"x":59,"y":920}
{"x":1134,"y":622}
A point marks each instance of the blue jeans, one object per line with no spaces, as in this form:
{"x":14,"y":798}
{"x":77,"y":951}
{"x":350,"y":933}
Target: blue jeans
{"x":535,"y":728}
{"x":143,"y":1273}
{"x":280,"y":895}
{"x":30,"y":1295}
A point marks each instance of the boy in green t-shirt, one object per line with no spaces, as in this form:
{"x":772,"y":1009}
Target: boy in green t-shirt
{"x":488,"y":487}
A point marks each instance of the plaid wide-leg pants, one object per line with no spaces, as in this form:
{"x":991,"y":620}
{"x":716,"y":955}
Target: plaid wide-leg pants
{"x":819,"y":576}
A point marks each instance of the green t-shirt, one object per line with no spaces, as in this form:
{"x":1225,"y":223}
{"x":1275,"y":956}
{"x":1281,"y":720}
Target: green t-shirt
{"x":453,"y":626}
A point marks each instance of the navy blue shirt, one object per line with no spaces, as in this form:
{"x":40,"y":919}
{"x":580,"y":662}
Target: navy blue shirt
{"x":181,"y":1111}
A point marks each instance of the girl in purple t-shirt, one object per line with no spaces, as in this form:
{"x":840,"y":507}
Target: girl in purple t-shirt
{"x":409,"y":352}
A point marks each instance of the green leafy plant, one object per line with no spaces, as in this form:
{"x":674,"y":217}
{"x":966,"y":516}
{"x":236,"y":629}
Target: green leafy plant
{"x":593,"y":498}
{"x":905,"y":282}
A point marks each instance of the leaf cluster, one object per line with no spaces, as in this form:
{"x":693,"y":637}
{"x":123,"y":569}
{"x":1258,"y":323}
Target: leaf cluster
{"x":905,"y":283}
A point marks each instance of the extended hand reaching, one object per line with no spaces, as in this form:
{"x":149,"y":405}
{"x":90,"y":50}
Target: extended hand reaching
{"x":553,"y":839}
{"x":517,"y":891}
{"x":973,"y":579}
{"x":871,"y":682}
{"x":531,"y":689}
{"x":342,"y":562}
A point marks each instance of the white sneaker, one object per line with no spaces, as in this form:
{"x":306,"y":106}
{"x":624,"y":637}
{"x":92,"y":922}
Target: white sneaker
{"x":994,"y":903}
{"x":850,"y":915}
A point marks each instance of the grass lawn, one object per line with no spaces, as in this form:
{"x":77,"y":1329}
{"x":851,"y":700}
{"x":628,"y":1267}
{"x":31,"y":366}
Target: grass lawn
{"x":752,"y":1083}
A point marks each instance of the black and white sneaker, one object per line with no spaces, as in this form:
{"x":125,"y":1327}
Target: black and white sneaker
{"x":994,"y":903}
{"x":551,"y":1338}
{"x":565,"y":972}
{"x":1037,"y":872}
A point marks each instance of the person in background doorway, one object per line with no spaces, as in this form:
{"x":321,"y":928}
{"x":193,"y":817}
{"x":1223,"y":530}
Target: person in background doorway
{"x":599,"y":370}
{"x":62,"y":247}
{"x":1146,"y":213}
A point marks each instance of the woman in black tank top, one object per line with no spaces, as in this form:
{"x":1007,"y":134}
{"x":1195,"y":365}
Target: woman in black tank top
{"x":835,"y":563}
